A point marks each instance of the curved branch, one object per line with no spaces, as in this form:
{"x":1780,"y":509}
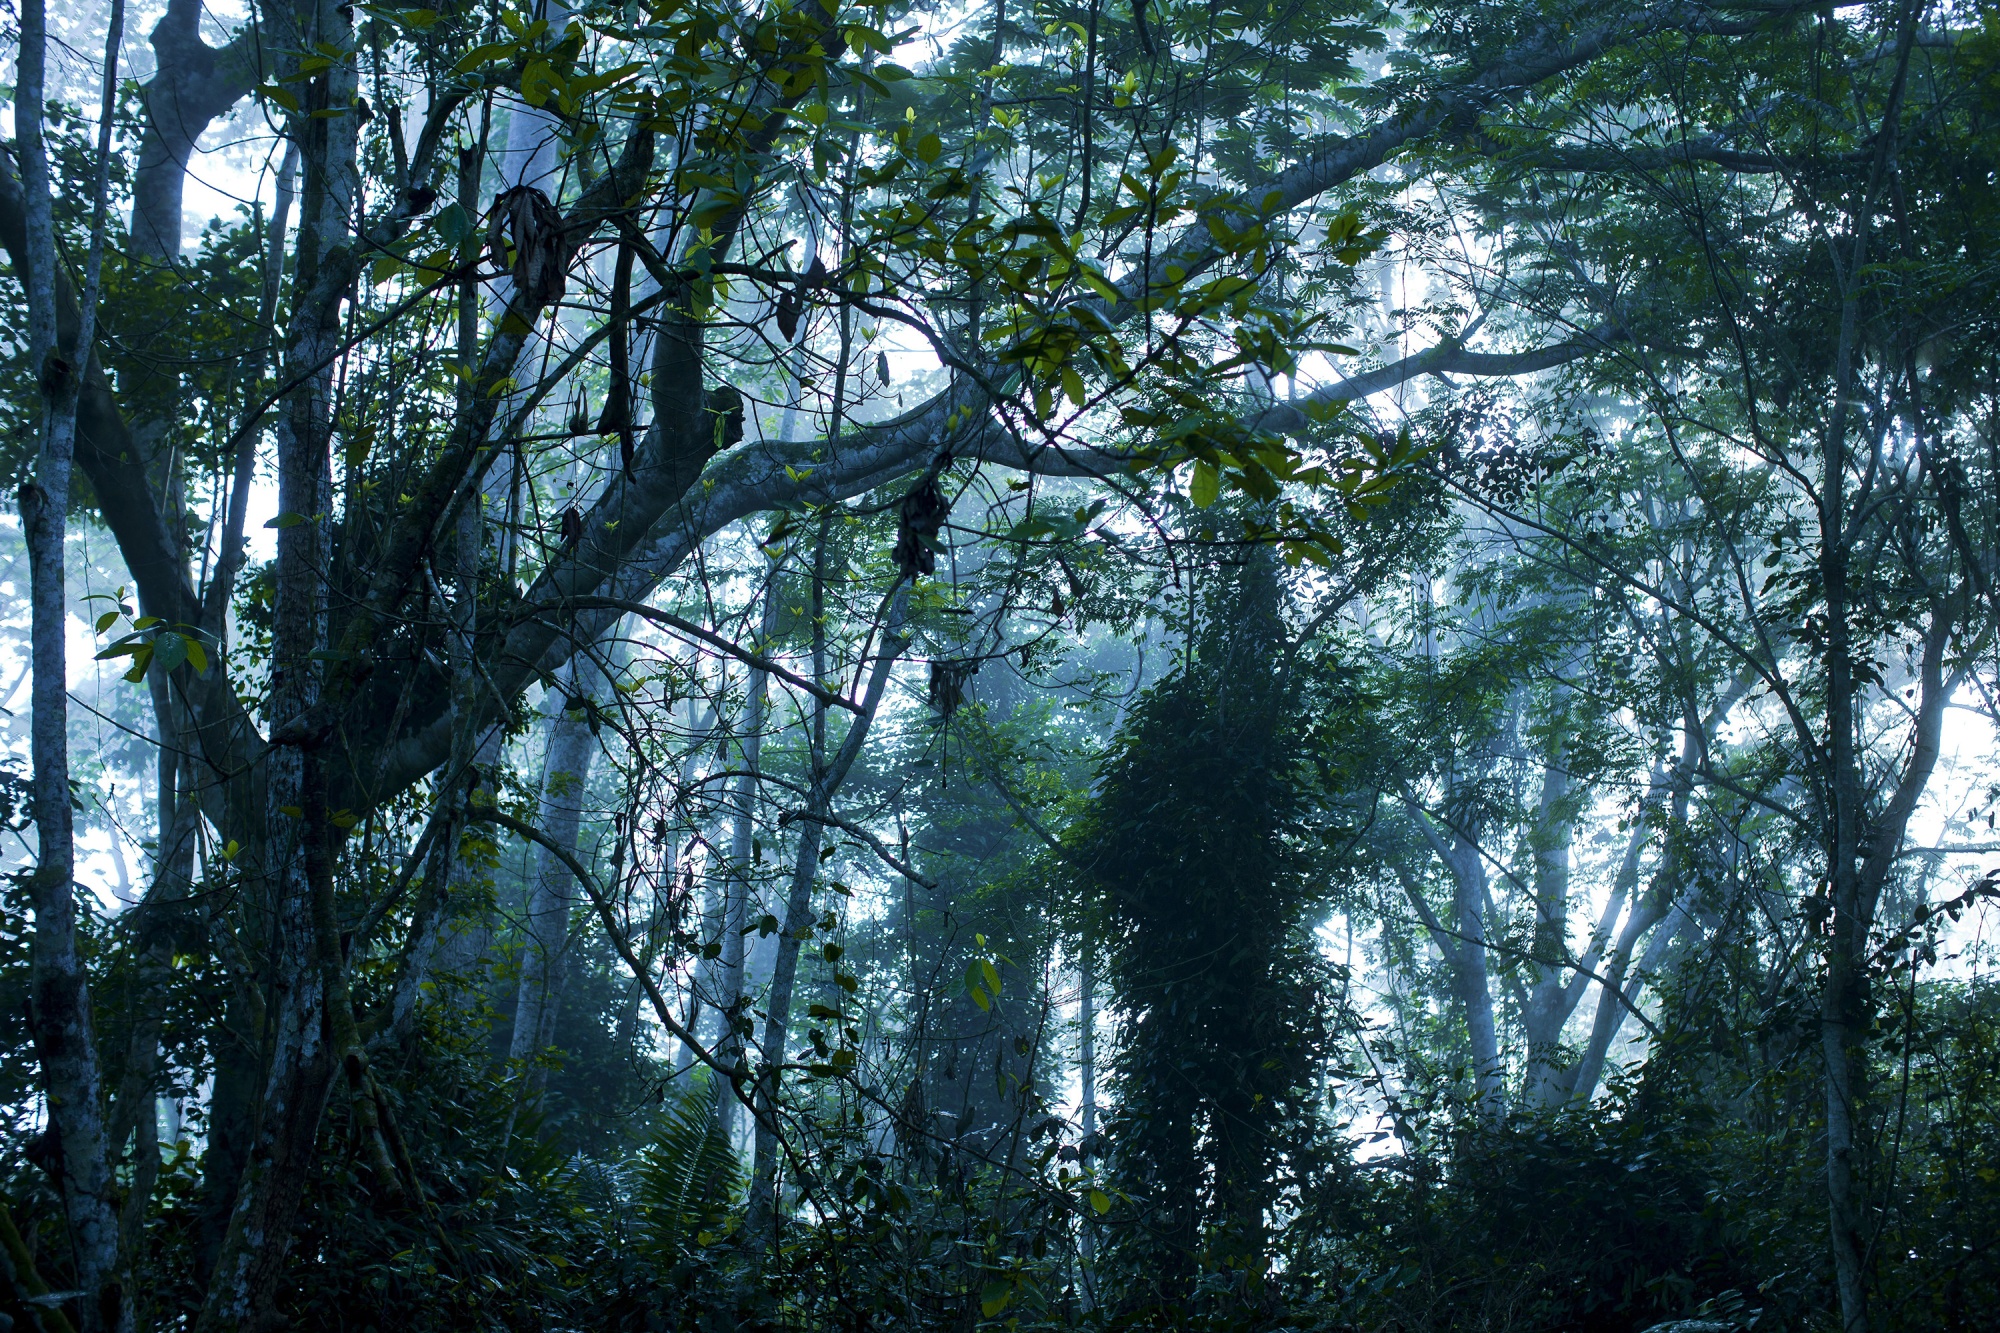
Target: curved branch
{"x":1447,"y":358}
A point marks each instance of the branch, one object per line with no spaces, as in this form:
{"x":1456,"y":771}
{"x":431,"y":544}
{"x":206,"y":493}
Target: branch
{"x":714,"y":640}
{"x":602,"y":903}
{"x":1510,"y":77}
{"x":889,"y":858}
{"x":1447,"y":358}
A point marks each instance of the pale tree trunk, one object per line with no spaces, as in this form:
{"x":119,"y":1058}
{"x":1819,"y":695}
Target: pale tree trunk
{"x":740,"y":883}
{"x":1086,"y":1021}
{"x":1619,"y":989}
{"x":60,"y":1005}
{"x":572,"y":745}
{"x":307,"y":1030}
{"x":761,"y":1213}
{"x":194,"y":84}
{"x":704,"y":987}
{"x":1552,"y":997}
{"x":1463,"y":945}
{"x":1619,"y":983}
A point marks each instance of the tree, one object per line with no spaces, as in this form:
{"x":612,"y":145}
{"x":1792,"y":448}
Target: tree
{"x":1106,"y":238}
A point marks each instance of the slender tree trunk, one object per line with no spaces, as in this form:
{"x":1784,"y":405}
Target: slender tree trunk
{"x":1552,"y":998}
{"x":572,"y":745}
{"x":60,"y":1006}
{"x":741,"y":882}
{"x":1086,"y":1020}
{"x":761,"y":1213}
{"x":1622,"y":983}
{"x":1464,"y":947}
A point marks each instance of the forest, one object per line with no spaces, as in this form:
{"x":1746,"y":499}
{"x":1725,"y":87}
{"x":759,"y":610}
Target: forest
{"x":813,"y":665}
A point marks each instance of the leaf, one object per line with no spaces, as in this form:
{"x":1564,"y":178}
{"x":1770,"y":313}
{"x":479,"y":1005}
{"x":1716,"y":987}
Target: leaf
{"x":169,"y":650}
{"x":1207,"y":484}
{"x":282,"y":96}
{"x":929,"y":149}
{"x":286,"y":521}
{"x":1100,"y":1202}
{"x":106,"y":621}
{"x":452,"y":224}
{"x":480,"y":55}
{"x":197,"y":656}
{"x":688,"y":1178}
{"x":994,"y":1297}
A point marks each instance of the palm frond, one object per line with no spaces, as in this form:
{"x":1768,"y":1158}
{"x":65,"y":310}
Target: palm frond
{"x":689,"y":1178}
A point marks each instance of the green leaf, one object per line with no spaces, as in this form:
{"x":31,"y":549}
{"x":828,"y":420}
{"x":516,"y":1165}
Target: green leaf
{"x":1100,"y":1201}
{"x":994,"y":1297}
{"x":286,"y":521}
{"x":106,"y":621}
{"x":169,"y":650}
{"x":480,"y":55}
{"x":452,"y":223}
{"x":929,"y":149}
{"x":1207,"y":484}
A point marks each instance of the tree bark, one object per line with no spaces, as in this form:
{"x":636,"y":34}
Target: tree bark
{"x":761,"y":1213}
{"x":60,"y":1006}
{"x":572,"y":744}
{"x":307,"y":971}
{"x":1464,"y":947}
{"x":741,"y":883}
{"x":1552,"y":998}
{"x":194,"y":84}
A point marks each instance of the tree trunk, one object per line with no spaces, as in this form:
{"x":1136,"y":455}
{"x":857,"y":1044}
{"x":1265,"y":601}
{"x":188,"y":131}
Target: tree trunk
{"x":1552,"y":998}
{"x":572,"y":745}
{"x":761,"y":1212}
{"x":60,"y":1006}
{"x":1464,"y":946}
{"x":307,"y":970}
{"x":741,"y":882}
